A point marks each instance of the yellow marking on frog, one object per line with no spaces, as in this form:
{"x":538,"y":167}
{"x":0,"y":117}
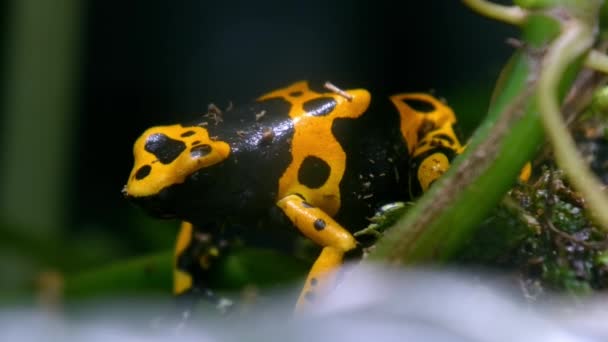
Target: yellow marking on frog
{"x":313,"y":137}
{"x":199,"y":151}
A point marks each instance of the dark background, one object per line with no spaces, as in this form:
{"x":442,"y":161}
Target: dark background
{"x":143,"y":63}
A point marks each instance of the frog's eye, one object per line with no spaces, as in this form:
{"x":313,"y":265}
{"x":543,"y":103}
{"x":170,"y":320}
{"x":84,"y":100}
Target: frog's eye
{"x":200,"y":151}
{"x":320,"y":106}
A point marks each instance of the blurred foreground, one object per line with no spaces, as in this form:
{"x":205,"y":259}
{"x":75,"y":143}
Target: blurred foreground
{"x":370,"y":304}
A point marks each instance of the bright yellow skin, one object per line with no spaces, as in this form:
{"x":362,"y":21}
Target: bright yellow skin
{"x":432,"y":168}
{"x":313,"y":133}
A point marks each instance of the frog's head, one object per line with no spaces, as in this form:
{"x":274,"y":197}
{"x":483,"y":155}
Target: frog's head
{"x":167,"y":156}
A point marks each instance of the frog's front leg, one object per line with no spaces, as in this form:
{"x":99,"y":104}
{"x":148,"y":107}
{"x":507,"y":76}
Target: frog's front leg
{"x":195,"y":253}
{"x":318,"y":226}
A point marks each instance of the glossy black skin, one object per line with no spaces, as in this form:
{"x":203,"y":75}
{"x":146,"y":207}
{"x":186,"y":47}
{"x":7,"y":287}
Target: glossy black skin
{"x":376,"y":165}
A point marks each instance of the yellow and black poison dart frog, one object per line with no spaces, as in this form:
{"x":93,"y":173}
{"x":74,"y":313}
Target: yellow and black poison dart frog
{"x":304,"y":158}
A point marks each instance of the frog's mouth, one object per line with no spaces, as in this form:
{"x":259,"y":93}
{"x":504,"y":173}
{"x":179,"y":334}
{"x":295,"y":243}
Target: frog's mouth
{"x":154,"y":205}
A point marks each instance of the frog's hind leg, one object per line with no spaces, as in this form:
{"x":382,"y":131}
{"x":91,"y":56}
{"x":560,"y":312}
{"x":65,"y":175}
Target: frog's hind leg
{"x":421,"y":114}
{"x":318,"y":226}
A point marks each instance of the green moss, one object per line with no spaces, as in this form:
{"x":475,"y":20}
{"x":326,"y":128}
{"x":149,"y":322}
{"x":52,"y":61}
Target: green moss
{"x":541,"y":231}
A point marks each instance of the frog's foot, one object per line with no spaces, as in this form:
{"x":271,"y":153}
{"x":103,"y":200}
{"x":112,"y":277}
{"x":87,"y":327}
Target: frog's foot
{"x":384,"y":217}
{"x":372,"y":230}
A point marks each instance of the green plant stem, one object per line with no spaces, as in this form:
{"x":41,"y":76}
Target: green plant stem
{"x":513,"y":15}
{"x":573,"y":43}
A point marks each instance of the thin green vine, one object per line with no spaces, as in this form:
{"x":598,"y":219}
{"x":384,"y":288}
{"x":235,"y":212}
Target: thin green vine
{"x":574,"y":42}
{"x":509,"y":14}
